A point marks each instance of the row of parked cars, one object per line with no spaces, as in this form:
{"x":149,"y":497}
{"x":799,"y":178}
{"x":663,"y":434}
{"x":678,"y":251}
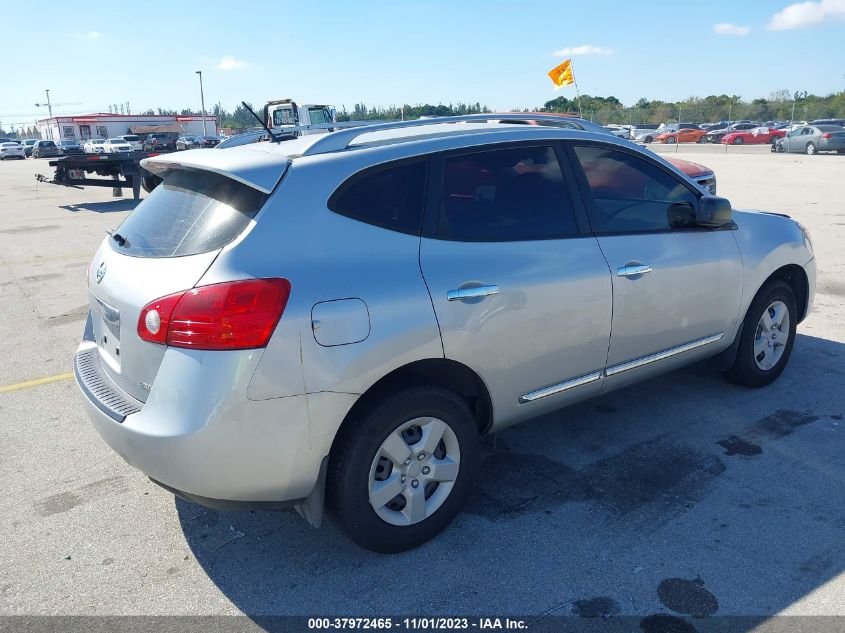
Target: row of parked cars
{"x":740,"y":133}
{"x":123,"y":144}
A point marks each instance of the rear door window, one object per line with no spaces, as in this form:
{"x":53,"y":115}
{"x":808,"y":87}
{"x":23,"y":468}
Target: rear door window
{"x":191,"y":212}
{"x":505,"y":195}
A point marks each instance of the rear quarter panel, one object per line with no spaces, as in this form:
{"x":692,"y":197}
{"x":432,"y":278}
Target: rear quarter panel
{"x":327,"y":257}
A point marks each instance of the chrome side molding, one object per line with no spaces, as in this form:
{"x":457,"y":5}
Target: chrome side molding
{"x":672,"y":351}
{"x":618,"y":369}
{"x":562,"y":386}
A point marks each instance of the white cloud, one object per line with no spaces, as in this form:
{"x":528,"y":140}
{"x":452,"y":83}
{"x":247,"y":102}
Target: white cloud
{"x":586,"y":49}
{"x":726,"y":28}
{"x":93,"y":35}
{"x":803,"y":14}
{"x":231,"y":63}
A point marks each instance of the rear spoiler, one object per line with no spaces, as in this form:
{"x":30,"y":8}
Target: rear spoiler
{"x":259,"y":170}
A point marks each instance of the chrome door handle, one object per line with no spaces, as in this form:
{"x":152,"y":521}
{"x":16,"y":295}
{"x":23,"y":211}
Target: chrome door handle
{"x":475,"y":292}
{"x":631,"y":271}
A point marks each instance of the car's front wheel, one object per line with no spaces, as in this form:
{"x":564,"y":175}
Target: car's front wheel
{"x":400,"y":472}
{"x":738,"y":140}
{"x":670,"y":140}
{"x":766,"y":337}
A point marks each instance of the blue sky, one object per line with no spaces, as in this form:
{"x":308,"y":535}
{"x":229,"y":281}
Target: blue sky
{"x":91,"y":54}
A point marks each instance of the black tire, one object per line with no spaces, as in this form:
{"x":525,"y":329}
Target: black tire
{"x":745,"y":370}
{"x":648,"y":139}
{"x":738,"y":140}
{"x":356,"y":447}
{"x":670,"y":140}
{"x":810,"y":149}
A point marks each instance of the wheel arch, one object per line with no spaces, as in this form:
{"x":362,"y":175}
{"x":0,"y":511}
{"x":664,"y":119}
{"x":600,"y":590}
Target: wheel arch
{"x":441,"y":372}
{"x":796,"y":278}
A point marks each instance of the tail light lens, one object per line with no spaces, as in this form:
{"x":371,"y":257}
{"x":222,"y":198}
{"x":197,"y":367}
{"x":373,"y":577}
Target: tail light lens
{"x":826,"y":135}
{"x":232,"y":315}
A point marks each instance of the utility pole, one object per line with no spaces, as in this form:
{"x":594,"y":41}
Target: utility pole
{"x":202,"y":100}
{"x":49,"y":105}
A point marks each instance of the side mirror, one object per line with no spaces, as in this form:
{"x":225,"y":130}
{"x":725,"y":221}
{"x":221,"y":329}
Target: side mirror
{"x":713,"y":211}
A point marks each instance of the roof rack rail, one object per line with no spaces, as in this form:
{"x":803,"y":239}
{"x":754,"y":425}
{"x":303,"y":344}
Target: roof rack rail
{"x":341,"y":139}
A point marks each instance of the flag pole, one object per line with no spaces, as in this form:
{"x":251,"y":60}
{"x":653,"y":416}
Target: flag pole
{"x":577,"y":92}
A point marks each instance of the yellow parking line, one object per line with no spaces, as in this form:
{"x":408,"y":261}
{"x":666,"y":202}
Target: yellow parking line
{"x":34,"y":383}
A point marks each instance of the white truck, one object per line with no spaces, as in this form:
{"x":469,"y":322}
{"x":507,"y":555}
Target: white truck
{"x":283,"y":113}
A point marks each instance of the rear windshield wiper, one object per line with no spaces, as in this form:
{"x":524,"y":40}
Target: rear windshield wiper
{"x":117,"y":237}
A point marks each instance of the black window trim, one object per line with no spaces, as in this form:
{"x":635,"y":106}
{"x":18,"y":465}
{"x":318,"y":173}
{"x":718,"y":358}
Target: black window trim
{"x":587,"y":196}
{"x":431,"y":218}
{"x":332,"y":205}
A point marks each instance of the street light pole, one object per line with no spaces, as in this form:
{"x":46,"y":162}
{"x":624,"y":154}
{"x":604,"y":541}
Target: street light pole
{"x":202,"y":100}
{"x":49,"y":105}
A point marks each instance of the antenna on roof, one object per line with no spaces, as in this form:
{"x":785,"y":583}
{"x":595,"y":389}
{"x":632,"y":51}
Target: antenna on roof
{"x":273,"y":136}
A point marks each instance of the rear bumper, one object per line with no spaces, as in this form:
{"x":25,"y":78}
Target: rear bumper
{"x":831,"y":146}
{"x":199,"y":436}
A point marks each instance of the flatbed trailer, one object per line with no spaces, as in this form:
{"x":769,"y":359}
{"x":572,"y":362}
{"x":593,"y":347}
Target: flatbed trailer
{"x":120,"y":170}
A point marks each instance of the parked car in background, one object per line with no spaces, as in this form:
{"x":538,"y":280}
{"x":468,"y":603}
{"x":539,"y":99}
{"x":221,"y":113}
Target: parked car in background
{"x":674,"y":127}
{"x":116,"y":146}
{"x":617,"y":131}
{"x":12,"y":150}
{"x":839,"y":122}
{"x":207,"y":141}
{"x":28,"y":143}
{"x":812,"y":139}
{"x":715,"y":136}
{"x":645,"y":132}
{"x":134,"y":140}
{"x":69,"y":146}
{"x":681,"y":136}
{"x":702,"y":175}
{"x":158,"y":141}
{"x":756,"y":136}
{"x":94,"y":146}
{"x":185,"y":142}
{"x":45,"y":149}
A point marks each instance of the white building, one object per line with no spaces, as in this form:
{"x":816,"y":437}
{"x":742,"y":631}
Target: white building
{"x":103,"y":125}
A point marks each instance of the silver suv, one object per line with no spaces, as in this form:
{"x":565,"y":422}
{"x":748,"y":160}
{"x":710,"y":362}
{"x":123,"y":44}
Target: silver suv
{"x":344,"y":315}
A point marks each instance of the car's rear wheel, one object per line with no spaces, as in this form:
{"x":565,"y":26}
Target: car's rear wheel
{"x":400,"y":473}
{"x":702,"y":139}
{"x":738,"y":140}
{"x":766,"y":337}
{"x":811,"y":149}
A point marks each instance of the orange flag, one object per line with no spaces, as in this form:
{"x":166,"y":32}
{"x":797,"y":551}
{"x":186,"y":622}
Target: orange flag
{"x":562,"y":75}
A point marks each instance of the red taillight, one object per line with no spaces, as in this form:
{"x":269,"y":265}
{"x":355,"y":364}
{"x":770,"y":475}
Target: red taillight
{"x":232,"y":315}
{"x":826,"y":135}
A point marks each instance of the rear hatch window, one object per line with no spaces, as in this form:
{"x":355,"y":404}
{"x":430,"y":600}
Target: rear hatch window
{"x":191,"y":212}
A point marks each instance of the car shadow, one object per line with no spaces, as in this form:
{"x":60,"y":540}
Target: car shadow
{"x":683,"y":496}
{"x":109,"y":206}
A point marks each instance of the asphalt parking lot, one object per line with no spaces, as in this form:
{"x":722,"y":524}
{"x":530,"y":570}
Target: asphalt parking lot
{"x":684,"y":495}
